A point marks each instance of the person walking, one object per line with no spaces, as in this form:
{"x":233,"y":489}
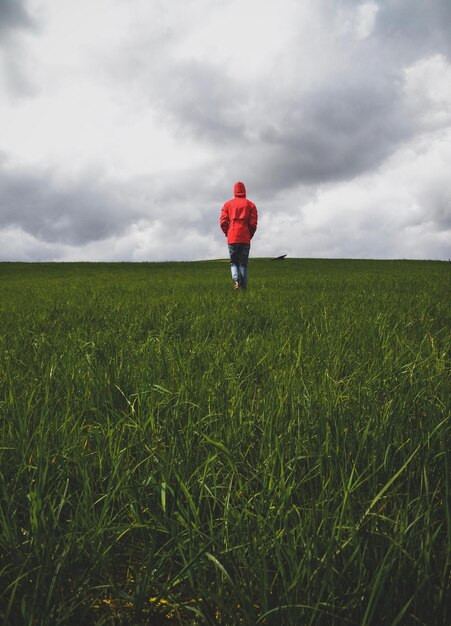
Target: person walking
{"x":238,"y":221}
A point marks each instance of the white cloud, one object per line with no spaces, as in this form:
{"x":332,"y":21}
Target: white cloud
{"x":427,"y":85}
{"x":18,"y":245}
{"x":366,"y":17}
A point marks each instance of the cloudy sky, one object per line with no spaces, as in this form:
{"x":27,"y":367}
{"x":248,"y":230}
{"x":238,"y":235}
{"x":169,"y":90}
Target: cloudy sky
{"x":125,"y":123}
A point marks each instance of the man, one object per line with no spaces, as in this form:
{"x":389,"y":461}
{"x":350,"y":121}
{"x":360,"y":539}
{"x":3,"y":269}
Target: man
{"x":238,"y":222}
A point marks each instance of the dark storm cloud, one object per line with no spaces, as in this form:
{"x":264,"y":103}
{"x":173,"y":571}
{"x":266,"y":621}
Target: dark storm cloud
{"x":334,"y":134}
{"x":73,"y":213}
{"x":196,"y":98}
{"x":15,"y":20}
{"x":201,"y":98}
{"x":414,"y":28}
{"x":13,"y":16}
{"x":347,"y":127}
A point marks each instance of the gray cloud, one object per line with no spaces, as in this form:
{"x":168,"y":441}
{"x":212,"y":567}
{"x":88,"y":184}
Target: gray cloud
{"x":414,"y":28}
{"x":437,"y":202}
{"x":93,"y":207}
{"x":71,"y":213}
{"x":202,"y":100}
{"x":15,"y":20}
{"x":342,"y":131}
{"x":14,"y":16}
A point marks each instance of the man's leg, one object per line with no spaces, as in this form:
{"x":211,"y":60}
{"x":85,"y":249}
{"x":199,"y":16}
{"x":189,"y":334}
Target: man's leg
{"x":234,"y":263}
{"x":244,"y":256}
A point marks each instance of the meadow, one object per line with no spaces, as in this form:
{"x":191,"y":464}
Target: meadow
{"x":175,"y":453}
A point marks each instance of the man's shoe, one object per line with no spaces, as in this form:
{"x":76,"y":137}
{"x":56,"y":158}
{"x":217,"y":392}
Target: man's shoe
{"x":236,"y":285}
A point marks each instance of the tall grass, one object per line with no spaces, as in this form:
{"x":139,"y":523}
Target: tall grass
{"x":172,"y":452}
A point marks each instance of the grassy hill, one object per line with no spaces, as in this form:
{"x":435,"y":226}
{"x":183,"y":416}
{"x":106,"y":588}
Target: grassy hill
{"x":172,"y":452}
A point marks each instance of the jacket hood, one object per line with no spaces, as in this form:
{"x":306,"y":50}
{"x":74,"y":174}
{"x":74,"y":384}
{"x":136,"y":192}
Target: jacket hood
{"x":239,"y":190}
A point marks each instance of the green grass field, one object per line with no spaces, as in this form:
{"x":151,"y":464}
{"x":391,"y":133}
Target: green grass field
{"x":172,"y":452}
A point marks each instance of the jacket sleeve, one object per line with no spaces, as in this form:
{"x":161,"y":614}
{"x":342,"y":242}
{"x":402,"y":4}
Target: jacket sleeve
{"x":253,"y":219}
{"x":224,"y":220}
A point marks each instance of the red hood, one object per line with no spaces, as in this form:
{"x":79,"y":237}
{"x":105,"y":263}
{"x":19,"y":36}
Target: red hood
{"x":239,"y":190}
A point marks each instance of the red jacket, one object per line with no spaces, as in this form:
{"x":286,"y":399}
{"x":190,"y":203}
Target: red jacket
{"x":239,"y":217}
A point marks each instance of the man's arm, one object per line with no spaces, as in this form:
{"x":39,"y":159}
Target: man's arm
{"x":224,"y":220}
{"x":253,"y":220}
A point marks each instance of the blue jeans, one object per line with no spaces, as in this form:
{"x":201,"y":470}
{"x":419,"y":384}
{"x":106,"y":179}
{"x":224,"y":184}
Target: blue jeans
{"x":239,"y":255}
